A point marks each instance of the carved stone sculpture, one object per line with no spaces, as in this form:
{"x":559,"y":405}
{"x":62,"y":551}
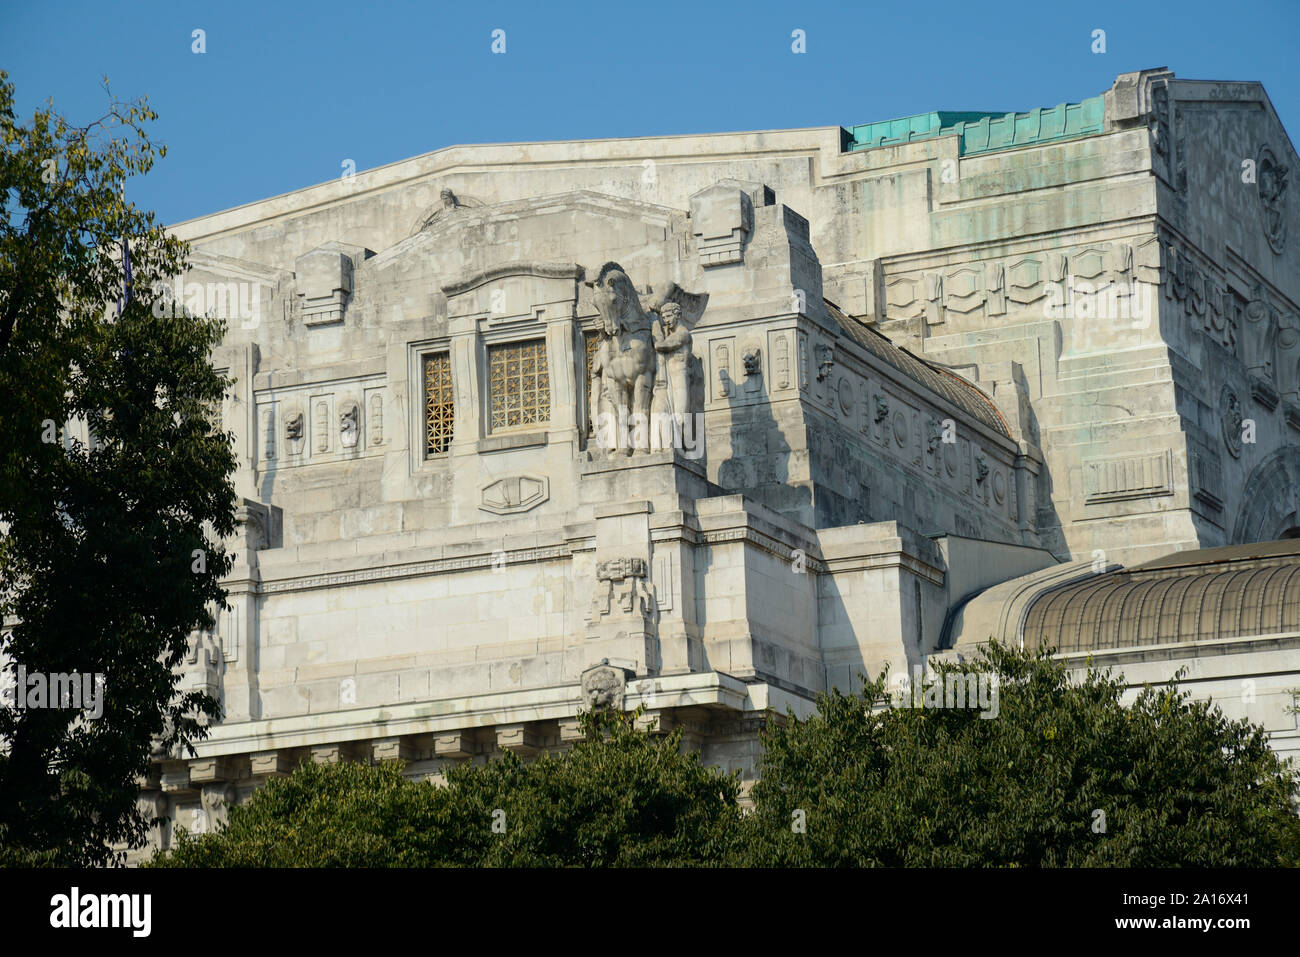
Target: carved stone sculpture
{"x":1230,"y":419}
{"x":1271,"y":183}
{"x":1287,"y":372}
{"x":882,"y":407}
{"x":1257,"y":335}
{"x":621,"y":587}
{"x":624,"y":364}
{"x":934,"y":434}
{"x":629,"y":356}
{"x":293,"y":433}
{"x":217,"y":798}
{"x":448,"y":203}
{"x":152,"y":806}
{"x":674,"y":349}
{"x":203,"y":662}
{"x":604,"y":686}
{"x":753,"y":360}
{"x":348,"y":427}
{"x":825,"y":362}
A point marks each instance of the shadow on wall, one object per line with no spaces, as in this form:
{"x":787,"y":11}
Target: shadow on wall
{"x":1047,"y":521}
{"x":759,"y":464}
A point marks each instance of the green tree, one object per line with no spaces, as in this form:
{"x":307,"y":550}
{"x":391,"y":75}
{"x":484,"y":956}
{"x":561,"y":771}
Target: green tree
{"x":620,"y":797}
{"x":109,"y":549}
{"x":1064,"y":775}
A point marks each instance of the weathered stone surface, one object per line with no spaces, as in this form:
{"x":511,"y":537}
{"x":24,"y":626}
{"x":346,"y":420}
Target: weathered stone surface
{"x":1084,"y":349}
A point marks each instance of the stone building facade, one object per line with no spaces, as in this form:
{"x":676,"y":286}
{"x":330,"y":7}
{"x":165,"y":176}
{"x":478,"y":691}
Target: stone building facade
{"x":917,"y":375}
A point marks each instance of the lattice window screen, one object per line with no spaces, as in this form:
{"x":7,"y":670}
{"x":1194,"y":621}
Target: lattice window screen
{"x":520,"y":384}
{"x":439,"y":403}
{"x":591,"y":341}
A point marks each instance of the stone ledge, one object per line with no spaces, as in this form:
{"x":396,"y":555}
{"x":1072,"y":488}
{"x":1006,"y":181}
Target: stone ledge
{"x":446,"y":715}
{"x":516,"y":440}
{"x":615,"y":509}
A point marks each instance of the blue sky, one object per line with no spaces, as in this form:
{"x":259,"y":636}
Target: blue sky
{"x":287,"y":92}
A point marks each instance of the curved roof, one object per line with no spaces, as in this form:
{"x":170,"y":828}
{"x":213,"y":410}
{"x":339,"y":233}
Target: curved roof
{"x":961,"y":393}
{"x":1200,"y":595}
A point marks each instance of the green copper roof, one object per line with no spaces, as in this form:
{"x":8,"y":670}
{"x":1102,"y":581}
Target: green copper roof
{"x":984,"y":132}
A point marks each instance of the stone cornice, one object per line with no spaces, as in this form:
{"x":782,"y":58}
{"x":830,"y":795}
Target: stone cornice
{"x":761,"y":541}
{"x":390,"y":572}
{"x":709,"y":689}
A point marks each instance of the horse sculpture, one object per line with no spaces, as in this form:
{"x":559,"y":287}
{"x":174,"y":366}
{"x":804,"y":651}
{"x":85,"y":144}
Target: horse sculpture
{"x":624,"y":363}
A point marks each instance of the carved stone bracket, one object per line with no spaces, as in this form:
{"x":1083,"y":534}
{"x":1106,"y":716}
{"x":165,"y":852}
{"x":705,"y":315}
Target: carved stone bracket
{"x":1263,"y":393}
{"x":216,"y":799}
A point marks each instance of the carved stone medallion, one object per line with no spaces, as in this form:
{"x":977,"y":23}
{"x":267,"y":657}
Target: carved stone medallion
{"x":1271,"y":181}
{"x":846,"y":395}
{"x":1230,"y":420}
{"x":900,"y":429}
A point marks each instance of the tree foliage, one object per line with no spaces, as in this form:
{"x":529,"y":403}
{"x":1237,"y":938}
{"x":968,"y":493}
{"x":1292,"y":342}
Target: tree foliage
{"x":621,"y":797}
{"x":1065,"y":775}
{"x":110,"y":548}
{"x":870,"y":783}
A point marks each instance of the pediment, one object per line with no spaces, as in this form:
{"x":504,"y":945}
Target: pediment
{"x":583,"y":207}
{"x":559,"y":231}
{"x":514,"y":292}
